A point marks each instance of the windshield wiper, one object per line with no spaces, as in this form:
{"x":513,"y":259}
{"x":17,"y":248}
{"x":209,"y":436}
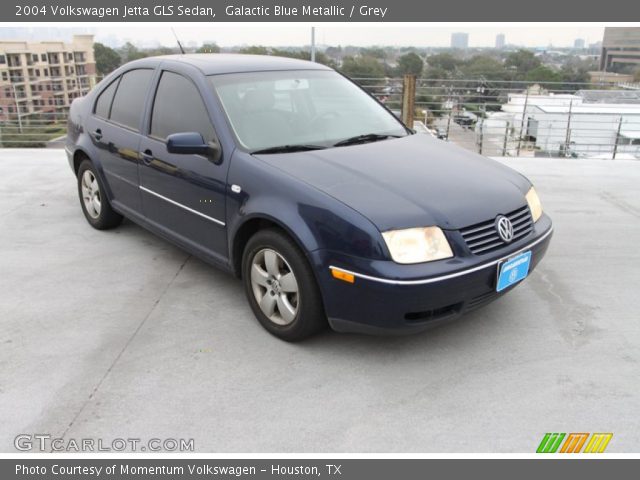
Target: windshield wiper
{"x":290,"y":148}
{"x":366,"y":138}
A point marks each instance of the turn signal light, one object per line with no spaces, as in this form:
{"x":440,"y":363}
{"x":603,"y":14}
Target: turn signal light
{"x":342,"y":275}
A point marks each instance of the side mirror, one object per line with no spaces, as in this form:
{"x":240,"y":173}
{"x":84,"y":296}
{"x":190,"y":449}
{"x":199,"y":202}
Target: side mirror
{"x":192,"y":143}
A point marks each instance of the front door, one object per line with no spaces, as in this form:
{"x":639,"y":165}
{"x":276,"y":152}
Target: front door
{"x":183,"y":195}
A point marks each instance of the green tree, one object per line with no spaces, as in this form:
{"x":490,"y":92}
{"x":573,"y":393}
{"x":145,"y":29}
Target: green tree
{"x":444,"y":61}
{"x":436,"y":73}
{"x":543,"y":74}
{"x":255,"y":50}
{"x":334,"y":52}
{"x":375,"y":52}
{"x":574,"y":75}
{"x":523,"y":61}
{"x":321,"y":57}
{"x":410,"y":64}
{"x":362,"y":67}
{"x":160,"y":51}
{"x":107,"y":59}
{"x":209,"y":48}
{"x":129,"y":52}
{"x":483,"y":66}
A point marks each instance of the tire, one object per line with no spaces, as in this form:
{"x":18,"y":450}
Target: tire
{"x":94,"y":203}
{"x":281,"y":288}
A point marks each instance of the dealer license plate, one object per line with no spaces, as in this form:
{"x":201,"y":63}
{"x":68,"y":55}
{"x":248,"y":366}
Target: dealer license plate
{"x":513,"y":270}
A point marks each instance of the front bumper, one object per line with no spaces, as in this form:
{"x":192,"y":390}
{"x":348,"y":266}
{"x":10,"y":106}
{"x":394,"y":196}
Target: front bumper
{"x":390,"y":298}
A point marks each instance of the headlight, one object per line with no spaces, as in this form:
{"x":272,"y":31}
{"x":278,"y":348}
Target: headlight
{"x":417,"y":245}
{"x":534,"y":204}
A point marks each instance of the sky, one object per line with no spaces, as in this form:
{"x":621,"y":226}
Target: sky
{"x":422,"y":35}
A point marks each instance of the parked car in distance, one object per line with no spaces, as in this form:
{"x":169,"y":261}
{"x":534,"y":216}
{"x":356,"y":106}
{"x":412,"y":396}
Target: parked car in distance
{"x":292,"y":178}
{"x":465,"y":119}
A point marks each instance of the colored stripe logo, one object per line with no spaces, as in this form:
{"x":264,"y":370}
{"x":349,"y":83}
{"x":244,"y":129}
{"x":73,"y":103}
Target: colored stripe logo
{"x":550,"y":443}
{"x":598,"y":442}
{"x":573,"y":442}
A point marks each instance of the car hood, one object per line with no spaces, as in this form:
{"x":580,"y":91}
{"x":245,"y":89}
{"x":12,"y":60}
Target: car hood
{"x":409,"y":182}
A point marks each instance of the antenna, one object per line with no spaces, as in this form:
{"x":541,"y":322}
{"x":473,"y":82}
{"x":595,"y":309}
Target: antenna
{"x":177,"y":40}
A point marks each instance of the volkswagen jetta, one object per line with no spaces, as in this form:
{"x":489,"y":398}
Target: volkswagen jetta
{"x":298,"y":181}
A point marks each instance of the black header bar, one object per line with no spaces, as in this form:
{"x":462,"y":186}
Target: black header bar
{"x":318,"y":11}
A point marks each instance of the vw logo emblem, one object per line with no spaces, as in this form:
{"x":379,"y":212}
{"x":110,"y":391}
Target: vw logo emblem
{"x":504,"y":228}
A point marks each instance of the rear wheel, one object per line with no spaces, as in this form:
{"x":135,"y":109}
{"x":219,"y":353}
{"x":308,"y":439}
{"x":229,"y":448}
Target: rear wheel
{"x":281,"y":287}
{"x":94,"y":203}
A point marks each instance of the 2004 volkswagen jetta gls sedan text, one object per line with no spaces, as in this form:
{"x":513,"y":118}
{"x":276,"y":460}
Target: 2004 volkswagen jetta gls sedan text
{"x":293,"y":178}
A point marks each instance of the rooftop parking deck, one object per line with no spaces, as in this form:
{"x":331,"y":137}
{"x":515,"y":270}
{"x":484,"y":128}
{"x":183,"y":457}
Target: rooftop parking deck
{"x":120,"y":334}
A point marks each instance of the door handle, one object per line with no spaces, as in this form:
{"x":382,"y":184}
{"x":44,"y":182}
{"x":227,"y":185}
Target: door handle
{"x":97,"y":134}
{"x":147,"y":156}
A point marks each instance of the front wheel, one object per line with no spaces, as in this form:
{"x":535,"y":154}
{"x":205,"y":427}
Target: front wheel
{"x":281,"y":287}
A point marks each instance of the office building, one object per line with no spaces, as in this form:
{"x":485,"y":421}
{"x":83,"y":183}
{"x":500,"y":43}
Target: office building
{"x":620,"y":48}
{"x":460,"y":40}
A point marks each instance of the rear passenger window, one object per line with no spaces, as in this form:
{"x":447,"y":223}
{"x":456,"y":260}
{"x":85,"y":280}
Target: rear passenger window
{"x":103,"y":104}
{"x":178,"y":107}
{"x":129,"y":100}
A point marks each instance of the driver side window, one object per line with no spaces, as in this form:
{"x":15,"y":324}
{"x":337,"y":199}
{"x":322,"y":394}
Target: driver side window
{"x":178,"y":107}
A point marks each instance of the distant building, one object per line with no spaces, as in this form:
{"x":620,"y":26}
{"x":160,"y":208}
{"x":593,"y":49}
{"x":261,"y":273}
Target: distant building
{"x":601,"y":121}
{"x":500,"y":40}
{"x":596,"y":46}
{"x":460,"y":40}
{"x":44,"y":77}
{"x":579,"y":43}
{"x":620,"y":47}
{"x":609,"y":78}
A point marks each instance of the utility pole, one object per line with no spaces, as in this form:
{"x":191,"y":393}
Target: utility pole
{"x":504,"y":144}
{"x":615,"y":145}
{"x":524,"y":113}
{"x":408,"y":100}
{"x":567,"y":139}
{"x":313,"y":44}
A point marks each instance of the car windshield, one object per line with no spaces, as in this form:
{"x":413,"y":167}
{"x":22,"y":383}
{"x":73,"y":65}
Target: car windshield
{"x":301,"y":110}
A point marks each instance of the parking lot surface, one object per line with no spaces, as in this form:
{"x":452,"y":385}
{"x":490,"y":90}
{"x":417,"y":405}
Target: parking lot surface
{"x":120,"y":334}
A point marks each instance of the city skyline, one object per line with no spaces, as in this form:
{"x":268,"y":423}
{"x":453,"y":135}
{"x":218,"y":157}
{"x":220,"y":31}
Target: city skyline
{"x":228,"y":35}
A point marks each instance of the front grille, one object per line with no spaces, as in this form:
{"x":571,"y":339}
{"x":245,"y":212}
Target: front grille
{"x":483,"y":237}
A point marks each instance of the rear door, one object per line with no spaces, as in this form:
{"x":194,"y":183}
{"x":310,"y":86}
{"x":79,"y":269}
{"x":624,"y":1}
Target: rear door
{"x":115,"y":131}
{"x":184,"y":195}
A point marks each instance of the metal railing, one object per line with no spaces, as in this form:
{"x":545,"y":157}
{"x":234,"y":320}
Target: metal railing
{"x":516,"y":118}
{"x":491,"y":117}
{"x":34,"y":109}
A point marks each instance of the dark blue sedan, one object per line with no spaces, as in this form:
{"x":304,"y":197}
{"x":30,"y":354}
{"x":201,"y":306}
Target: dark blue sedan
{"x":294,"y":179}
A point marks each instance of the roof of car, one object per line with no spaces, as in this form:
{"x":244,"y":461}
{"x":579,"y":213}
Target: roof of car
{"x":218,"y":63}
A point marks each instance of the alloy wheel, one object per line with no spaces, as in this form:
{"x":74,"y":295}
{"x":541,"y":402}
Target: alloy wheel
{"x":274,"y":286}
{"x":91,"y":194}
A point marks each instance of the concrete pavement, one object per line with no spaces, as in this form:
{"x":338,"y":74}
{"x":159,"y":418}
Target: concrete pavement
{"x":120,"y":334}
